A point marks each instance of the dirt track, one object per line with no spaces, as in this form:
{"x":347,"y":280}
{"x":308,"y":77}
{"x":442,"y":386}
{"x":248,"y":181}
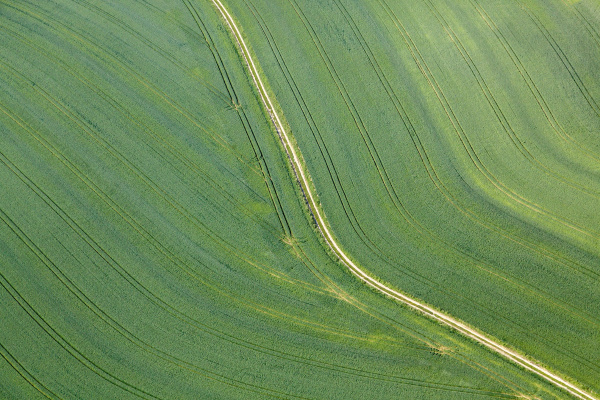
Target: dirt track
{"x":319,"y":218}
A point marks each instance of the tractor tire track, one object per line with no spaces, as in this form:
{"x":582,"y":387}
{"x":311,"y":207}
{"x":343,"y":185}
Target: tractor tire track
{"x":422,"y":279}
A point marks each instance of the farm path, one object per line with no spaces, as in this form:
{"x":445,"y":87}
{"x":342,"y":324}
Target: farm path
{"x":316,"y":212}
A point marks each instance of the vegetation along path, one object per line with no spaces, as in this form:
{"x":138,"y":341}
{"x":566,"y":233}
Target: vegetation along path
{"x":311,"y":198}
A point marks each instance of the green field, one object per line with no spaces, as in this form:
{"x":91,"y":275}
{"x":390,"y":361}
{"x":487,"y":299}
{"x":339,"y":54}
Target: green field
{"x":154,"y":241}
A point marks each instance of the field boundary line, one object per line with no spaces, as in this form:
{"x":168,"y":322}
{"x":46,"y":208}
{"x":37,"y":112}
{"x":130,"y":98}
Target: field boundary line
{"x":303,"y":179}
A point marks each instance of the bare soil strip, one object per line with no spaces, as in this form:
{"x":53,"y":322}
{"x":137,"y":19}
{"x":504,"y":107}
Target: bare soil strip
{"x":303,"y":179}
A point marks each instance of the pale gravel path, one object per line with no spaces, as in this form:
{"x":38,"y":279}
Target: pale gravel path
{"x":303,"y":179}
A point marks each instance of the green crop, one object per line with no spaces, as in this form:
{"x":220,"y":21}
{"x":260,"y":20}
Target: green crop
{"x":154,"y":242}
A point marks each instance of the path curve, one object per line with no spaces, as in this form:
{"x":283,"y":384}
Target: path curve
{"x":311,"y":198}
